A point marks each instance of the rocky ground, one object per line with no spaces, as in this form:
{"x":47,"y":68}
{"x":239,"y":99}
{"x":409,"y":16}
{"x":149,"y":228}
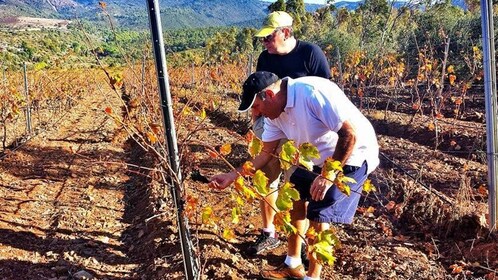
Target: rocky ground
{"x":78,"y":204}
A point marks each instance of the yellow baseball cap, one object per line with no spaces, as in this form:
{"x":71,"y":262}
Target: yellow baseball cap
{"x":273,"y":21}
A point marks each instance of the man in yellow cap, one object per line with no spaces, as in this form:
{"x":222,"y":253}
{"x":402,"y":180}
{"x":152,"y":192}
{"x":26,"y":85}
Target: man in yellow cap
{"x":285,"y":56}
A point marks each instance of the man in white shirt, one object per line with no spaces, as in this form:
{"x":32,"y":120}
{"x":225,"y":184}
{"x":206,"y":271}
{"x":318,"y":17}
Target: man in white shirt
{"x":313,"y":110}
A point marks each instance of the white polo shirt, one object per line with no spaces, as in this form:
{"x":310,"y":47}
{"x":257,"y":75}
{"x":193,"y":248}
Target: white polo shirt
{"x":315,"y":111}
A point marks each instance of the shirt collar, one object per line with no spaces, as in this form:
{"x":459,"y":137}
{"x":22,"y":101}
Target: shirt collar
{"x":291,"y":99}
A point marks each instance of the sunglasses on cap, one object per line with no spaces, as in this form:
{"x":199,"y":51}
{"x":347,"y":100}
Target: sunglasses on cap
{"x":270,"y":37}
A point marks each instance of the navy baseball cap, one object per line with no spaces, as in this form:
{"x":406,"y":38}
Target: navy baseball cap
{"x":255,"y":83}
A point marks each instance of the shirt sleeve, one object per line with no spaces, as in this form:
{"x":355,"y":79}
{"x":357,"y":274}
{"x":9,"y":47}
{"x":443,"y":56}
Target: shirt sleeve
{"x":261,"y":66}
{"x":317,"y":63}
{"x":271,"y":132}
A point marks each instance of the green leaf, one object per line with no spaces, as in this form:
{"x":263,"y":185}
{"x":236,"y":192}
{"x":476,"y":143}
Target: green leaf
{"x":330,"y":168}
{"x":283,"y":204}
{"x":324,"y":253}
{"x":324,"y":247}
{"x":293,"y":194}
{"x":286,"y":194}
{"x":329,"y":236}
{"x":283,"y":223}
{"x":260,"y":182}
{"x":306,"y":152}
{"x":255,"y":147}
{"x":289,"y":155}
{"x":347,"y":180}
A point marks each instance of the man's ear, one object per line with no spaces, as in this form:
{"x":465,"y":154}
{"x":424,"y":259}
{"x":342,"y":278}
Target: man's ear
{"x":286,"y":33}
{"x":269,"y":93}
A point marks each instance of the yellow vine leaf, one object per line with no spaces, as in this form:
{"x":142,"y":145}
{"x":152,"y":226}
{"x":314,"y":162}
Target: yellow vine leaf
{"x":346,"y":179}
{"x":239,"y":200}
{"x":242,"y":189}
{"x":247,"y":169}
{"x":289,"y":155}
{"x":225,"y":149}
{"x":228,"y":234}
{"x":323,"y":253}
{"x":311,"y":233}
{"x":307,"y":151}
{"x":341,"y":182}
{"x":203,"y":114}
{"x":451,"y":69}
{"x":235,"y":215}
{"x":330,"y":168}
{"x":152,"y":138}
{"x":344,"y":188}
{"x":186,"y":111}
{"x":40,"y":65}
{"x":286,"y":195}
{"x":239,"y":184}
{"x":206,"y":215}
{"x":255,"y":146}
{"x":324,"y":245}
{"x":260,"y":182}
{"x":452,"y":79}
{"x":368,"y":186}
{"x":283,"y":223}
{"x":116,"y":80}
{"x":191,"y":205}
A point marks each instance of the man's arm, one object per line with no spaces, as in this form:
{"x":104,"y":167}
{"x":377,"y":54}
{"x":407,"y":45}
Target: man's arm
{"x":343,"y":150}
{"x":318,"y":63}
{"x":345,"y":143}
{"x":224,"y":180}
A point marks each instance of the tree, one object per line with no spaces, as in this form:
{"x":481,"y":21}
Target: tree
{"x":296,"y":8}
{"x":279,"y":5}
{"x":244,"y":40}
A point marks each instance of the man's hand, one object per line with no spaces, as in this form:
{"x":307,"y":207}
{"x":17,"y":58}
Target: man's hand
{"x":221,"y":181}
{"x":319,"y":188}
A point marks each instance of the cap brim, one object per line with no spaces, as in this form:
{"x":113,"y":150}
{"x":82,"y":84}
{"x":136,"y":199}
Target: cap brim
{"x":265,"y":31}
{"x":244,"y":106}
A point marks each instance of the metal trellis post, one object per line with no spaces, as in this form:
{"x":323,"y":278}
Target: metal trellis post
{"x":190,"y":262}
{"x":28,"y":108}
{"x":489,"y":65}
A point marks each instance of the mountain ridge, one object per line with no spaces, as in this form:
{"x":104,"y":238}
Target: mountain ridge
{"x":176,"y":14}
{"x":133,"y":13}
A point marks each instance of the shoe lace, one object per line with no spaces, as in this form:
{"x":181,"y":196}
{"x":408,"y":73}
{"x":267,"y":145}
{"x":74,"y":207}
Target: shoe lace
{"x":262,"y":239}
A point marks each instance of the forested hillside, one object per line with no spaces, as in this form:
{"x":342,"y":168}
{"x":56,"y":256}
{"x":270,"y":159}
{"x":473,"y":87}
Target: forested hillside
{"x":133,"y":14}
